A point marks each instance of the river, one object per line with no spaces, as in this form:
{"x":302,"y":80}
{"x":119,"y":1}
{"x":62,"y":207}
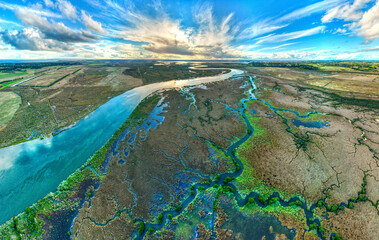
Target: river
{"x":30,"y":170}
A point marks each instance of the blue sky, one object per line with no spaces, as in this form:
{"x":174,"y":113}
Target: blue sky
{"x":162,"y":29}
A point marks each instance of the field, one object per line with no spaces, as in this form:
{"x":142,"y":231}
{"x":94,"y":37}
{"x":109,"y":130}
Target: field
{"x":68,"y":91}
{"x":51,"y":76}
{"x":299,"y":160}
{"x":348,"y":84}
{"x":9,"y":104}
{"x":151,"y":73}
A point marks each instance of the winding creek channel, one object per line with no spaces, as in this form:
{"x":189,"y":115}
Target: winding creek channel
{"x":241,"y":201}
{"x":30,"y":170}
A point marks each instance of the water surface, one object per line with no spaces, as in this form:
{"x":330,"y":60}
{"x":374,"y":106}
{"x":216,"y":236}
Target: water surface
{"x":30,"y":170}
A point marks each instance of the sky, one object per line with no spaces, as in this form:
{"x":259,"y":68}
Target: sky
{"x":186,"y":29}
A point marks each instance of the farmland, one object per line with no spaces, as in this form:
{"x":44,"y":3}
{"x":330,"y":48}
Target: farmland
{"x":65,"y":92}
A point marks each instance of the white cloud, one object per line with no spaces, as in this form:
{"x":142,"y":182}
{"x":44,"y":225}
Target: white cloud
{"x":340,"y":30}
{"x":362,"y":23}
{"x":346,"y":11}
{"x":283,"y":37}
{"x":372,"y":49}
{"x":67,"y":9}
{"x":310,"y":9}
{"x":259,"y":28}
{"x":167,"y":37}
{"x":91,"y":24}
{"x":2,"y":21}
{"x":32,"y":9}
{"x":368,"y":25}
{"x":32,"y":39}
{"x":48,"y":3}
{"x":53,"y":30}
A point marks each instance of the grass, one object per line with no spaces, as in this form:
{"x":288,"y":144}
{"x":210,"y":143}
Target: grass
{"x":12,"y":74}
{"x":28,"y":224}
{"x":9,"y":104}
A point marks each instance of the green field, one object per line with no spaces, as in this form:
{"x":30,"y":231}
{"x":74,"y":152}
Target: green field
{"x":9,"y":104}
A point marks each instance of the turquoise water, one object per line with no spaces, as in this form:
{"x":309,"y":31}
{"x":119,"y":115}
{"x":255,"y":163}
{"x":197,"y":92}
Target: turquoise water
{"x":309,"y":124}
{"x":30,"y":170}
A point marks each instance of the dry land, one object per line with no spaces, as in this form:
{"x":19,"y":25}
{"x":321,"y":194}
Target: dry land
{"x":298,"y":161}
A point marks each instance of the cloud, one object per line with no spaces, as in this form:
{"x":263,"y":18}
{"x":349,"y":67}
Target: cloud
{"x":2,"y":21}
{"x":33,"y":9}
{"x":167,"y":37}
{"x":258,"y":29}
{"x":283,"y":37}
{"x":54,"y":30}
{"x":340,"y":30}
{"x":67,"y":9}
{"x":91,"y":24}
{"x":362,"y":23}
{"x":368,"y":25}
{"x":372,"y":49}
{"x":48,"y":3}
{"x":308,"y":10}
{"x":32,"y":39}
{"x":346,"y":11}
{"x":43,"y":35}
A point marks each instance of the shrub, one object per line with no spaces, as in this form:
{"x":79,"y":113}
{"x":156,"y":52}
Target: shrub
{"x":336,"y":237}
{"x":228,"y":179}
{"x":141,"y":228}
{"x":250,"y":200}
{"x":178,"y":208}
{"x":334,"y":208}
{"x":262,"y":199}
{"x":151,"y":230}
{"x":295,"y":203}
{"x":217,"y":178}
{"x":273,"y":200}
{"x":169,"y":216}
{"x":226,"y":189}
{"x":160,"y":218}
{"x":320,"y":230}
{"x":320,"y":203}
{"x":312,"y":226}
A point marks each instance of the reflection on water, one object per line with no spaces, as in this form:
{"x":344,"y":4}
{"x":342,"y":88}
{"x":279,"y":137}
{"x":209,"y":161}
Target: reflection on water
{"x":30,"y":170}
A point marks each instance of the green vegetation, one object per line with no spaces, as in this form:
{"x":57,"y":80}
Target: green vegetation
{"x":262,"y":199}
{"x":273,"y":200}
{"x":169,"y":216}
{"x":141,"y":228}
{"x":217,"y":178}
{"x":228,"y":179}
{"x":336,"y":237}
{"x":367,"y":103}
{"x":151,"y":72}
{"x":178,"y":208}
{"x":322,"y":66}
{"x":296,"y":203}
{"x":62,"y":199}
{"x":151,"y":230}
{"x":250,"y":200}
{"x":312,"y":226}
{"x":9,"y":104}
{"x":160,"y":218}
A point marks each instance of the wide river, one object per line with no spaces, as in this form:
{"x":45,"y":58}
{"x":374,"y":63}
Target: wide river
{"x":30,"y":170}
